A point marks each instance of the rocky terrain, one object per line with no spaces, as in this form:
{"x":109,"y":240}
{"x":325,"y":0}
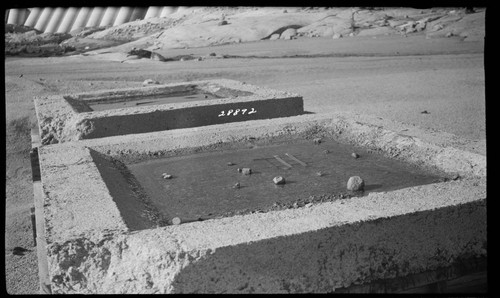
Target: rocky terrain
{"x":211,"y":26}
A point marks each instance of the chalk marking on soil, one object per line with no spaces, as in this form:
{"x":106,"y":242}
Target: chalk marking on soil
{"x":294,"y":158}
{"x":282,"y":161}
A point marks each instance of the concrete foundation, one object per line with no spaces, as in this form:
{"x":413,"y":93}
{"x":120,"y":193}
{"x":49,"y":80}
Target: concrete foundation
{"x":69,"y":117}
{"x":96,"y":244}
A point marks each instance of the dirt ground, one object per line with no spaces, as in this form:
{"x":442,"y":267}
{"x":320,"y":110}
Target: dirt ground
{"x":436,"y":85}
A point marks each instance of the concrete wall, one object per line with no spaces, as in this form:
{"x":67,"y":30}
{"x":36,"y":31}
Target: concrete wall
{"x":63,"y":20}
{"x":316,"y":249}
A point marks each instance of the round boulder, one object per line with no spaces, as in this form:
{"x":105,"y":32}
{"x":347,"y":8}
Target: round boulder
{"x":288,"y":33}
{"x":355,"y":183}
{"x":278,"y":180}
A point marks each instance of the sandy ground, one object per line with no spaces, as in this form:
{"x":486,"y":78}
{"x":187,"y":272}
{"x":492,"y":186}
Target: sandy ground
{"x":443,"y":77}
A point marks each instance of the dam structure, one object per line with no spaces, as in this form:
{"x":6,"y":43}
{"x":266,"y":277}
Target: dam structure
{"x":67,"y":19}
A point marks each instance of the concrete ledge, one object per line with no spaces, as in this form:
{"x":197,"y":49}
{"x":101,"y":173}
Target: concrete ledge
{"x":70,"y":117}
{"x":93,"y":249}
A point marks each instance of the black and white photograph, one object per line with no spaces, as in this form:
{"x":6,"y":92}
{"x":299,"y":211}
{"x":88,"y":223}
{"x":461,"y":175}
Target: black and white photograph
{"x":245,"y":149}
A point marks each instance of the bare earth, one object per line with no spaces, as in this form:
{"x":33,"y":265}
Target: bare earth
{"x":391,"y":77}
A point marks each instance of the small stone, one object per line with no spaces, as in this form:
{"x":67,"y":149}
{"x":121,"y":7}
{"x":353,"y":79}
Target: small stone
{"x":317,"y":141}
{"x":212,"y":54}
{"x":336,"y":36}
{"x":319,"y":174}
{"x":239,"y":170}
{"x":285,"y":11}
{"x":326,"y":151}
{"x":355,"y":155}
{"x":237,"y":185}
{"x":166,"y":176}
{"x":18,"y":251}
{"x":278,"y":180}
{"x":246,"y":171}
{"x":150,"y":82}
{"x":449,"y":34}
{"x":455,"y":177}
{"x":176,"y":221}
{"x":308,"y":205}
{"x":230,"y":164}
{"x":222,"y":23}
{"x":295,"y":205}
{"x":199,"y":59}
{"x":424,"y":112}
{"x":355,"y":183}
{"x":288,"y":33}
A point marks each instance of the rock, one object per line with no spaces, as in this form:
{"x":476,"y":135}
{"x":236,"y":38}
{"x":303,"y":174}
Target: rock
{"x":274,"y":36}
{"x":308,"y":205}
{"x":288,"y":33}
{"x":278,"y":180}
{"x":355,"y":183}
{"x":157,"y":57}
{"x":150,"y":82}
{"x":239,"y":170}
{"x":19,"y":251}
{"x":237,"y":185}
{"x":230,"y":164}
{"x":449,"y":34}
{"x":176,"y":221}
{"x":246,"y":171}
{"x":424,"y":112}
{"x":166,"y":176}
{"x":222,"y":23}
{"x":285,"y":11}
{"x":326,"y":151}
{"x":317,"y":141}
{"x":337,"y":36}
{"x":319,"y":174}
{"x":212,"y":54}
{"x":355,"y":155}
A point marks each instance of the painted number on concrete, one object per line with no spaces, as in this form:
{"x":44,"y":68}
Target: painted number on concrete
{"x":236,"y":112}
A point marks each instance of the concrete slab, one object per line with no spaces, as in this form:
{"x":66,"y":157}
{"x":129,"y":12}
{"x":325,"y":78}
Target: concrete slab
{"x":96,"y":245}
{"x":99,"y":114}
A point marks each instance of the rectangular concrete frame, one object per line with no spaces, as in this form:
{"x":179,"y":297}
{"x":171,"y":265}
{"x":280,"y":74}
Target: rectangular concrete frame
{"x":65,"y":118}
{"x":90,"y":248}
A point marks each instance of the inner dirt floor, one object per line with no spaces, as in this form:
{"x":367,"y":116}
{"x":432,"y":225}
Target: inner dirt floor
{"x":309,"y":170}
{"x":430,"y":92}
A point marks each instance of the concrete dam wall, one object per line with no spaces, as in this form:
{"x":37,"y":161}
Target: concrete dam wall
{"x":67,"y":19}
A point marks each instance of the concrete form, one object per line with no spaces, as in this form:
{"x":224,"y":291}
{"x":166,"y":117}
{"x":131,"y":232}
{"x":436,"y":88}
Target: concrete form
{"x":55,"y":20}
{"x":109,"y":16}
{"x":82,"y":18}
{"x":123,"y":15}
{"x":68,"y":20}
{"x":44,"y":18}
{"x":62,"y":20}
{"x":138,"y":13}
{"x":33,"y":16}
{"x":68,"y":117}
{"x":17,"y":16}
{"x":92,"y":249}
{"x":153,"y":12}
{"x":95,"y":16}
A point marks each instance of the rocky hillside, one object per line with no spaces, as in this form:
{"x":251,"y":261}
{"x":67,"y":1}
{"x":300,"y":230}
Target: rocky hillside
{"x":207,"y":26}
